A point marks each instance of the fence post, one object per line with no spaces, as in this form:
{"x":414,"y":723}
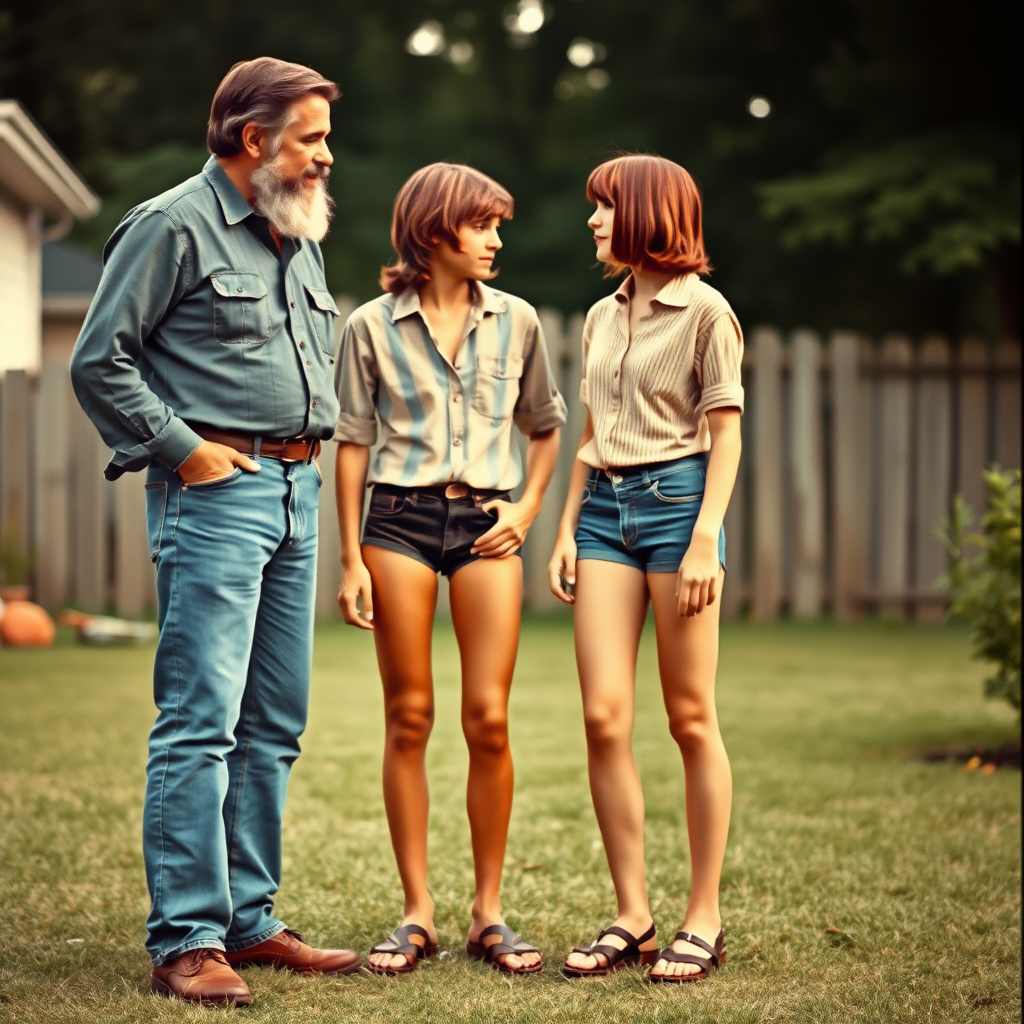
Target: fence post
{"x":89,"y":503}
{"x":52,"y":534}
{"x":15,"y":438}
{"x":735,"y":591}
{"x":972,"y":422}
{"x":894,"y":476}
{"x":767,"y":473}
{"x":1007,"y":400}
{"x":134,"y":573}
{"x":808,"y":474}
{"x":849,"y":396}
{"x":932,"y":469}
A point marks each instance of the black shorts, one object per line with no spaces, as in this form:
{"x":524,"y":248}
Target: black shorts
{"x":435,"y":525}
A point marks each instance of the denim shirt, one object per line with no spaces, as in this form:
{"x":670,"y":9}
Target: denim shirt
{"x":199,"y":318}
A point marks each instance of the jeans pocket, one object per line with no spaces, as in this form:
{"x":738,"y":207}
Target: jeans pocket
{"x":678,"y":488}
{"x":156,"y":513}
{"x":211,"y":485}
{"x":386,"y":503}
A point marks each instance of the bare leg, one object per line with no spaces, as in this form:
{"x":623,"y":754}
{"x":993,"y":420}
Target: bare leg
{"x":485,"y":601}
{"x":688,"y":661}
{"x":404,"y":597}
{"x":611,"y":602}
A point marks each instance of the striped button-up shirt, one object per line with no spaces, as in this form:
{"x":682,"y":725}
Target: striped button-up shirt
{"x":649,"y":394}
{"x":442,"y":420}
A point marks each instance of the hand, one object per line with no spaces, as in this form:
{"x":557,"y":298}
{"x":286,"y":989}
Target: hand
{"x":697,"y":582}
{"x":355,"y":583}
{"x":563,"y":566}
{"x":211,"y":461}
{"x":506,"y":536}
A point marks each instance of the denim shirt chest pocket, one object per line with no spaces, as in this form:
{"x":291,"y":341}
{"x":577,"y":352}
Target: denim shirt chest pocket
{"x":241,"y":313}
{"x":322,"y":312}
{"x":497,"y":386}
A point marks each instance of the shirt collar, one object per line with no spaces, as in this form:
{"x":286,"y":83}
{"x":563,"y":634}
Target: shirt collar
{"x":485,"y":300}
{"x":232,"y":202}
{"x":676,"y":293}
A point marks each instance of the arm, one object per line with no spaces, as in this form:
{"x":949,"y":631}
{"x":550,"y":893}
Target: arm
{"x":349,"y":487}
{"x":697,"y":583}
{"x":563,"y":559}
{"x":516,"y":518}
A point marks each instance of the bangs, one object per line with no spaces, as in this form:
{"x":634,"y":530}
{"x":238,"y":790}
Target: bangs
{"x":601,"y":184}
{"x":465,"y":194}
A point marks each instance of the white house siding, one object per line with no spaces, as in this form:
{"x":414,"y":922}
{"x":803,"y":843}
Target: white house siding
{"x":20,"y":287}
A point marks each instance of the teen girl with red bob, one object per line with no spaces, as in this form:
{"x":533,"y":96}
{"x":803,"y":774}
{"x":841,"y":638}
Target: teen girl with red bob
{"x":643,"y":523}
{"x":446,"y":365}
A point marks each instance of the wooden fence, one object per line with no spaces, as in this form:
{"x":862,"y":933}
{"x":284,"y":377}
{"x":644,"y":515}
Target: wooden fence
{"x":852,"y":451}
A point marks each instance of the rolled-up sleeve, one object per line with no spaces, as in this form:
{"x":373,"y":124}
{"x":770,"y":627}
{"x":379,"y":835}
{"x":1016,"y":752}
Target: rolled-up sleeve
{"x":540,"y":407}
{"x":145,"y":271}
{"x":356,"y":381}
{"x":719,"y":366}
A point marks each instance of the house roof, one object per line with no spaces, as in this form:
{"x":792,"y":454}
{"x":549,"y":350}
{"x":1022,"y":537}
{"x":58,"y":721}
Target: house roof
{"x":68,"y":270}
{"x":34,"y":171}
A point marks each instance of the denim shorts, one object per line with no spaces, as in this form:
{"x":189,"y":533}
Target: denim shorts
{"x":428,"y":525}
{"x":643,"y":516}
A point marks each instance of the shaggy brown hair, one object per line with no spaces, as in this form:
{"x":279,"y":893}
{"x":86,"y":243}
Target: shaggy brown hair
{"x":431,"y":206}
{"x":658,"y":215}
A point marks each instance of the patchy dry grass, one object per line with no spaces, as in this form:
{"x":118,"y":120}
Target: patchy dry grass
{"x":860,"y":883}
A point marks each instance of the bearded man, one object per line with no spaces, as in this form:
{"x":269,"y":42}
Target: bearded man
{"x":206,"y":357}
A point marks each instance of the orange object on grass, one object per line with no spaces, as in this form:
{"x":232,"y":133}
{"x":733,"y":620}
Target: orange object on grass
{"x":24,"y":624}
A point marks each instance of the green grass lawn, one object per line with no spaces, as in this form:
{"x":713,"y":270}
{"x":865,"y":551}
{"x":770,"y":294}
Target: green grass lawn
{"x":860,"y":883}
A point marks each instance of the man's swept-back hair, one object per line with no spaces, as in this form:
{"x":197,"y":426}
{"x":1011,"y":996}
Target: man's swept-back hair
{"x":658,"y":214}
{"x":259,"y":90}
{"x":432,"y":205}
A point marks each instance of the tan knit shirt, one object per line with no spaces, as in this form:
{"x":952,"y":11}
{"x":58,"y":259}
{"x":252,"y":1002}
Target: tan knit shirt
{"x":649,"y":395}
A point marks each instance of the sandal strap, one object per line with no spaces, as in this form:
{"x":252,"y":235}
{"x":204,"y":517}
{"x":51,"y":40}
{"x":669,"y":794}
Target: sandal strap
{"x":398,"y":942}
{"x":696,"y":940}
{"x":688,"y":958}
{"x":511,"y":942}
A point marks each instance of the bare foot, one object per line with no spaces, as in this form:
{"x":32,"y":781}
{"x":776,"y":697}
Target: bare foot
{"x":708,"y":931}
{"x":633,"y":925}
{"x":396,"y":961}
{"x":512,"y":961}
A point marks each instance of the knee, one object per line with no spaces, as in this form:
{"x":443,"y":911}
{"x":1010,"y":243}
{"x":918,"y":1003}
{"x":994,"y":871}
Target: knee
{"x":607,"y":725}
{"x":486,"y":730}
{"x":409,"y":725}
{"x":693,"y":727}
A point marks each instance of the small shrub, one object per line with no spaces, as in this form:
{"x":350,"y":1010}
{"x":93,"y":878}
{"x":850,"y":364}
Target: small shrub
{"x":984,"y":580}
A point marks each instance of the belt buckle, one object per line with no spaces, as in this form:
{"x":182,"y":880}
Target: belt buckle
{"x":456,"y":491}
{"x":295,"y":440}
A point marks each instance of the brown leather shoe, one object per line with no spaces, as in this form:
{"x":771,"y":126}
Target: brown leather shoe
{"x":201,"y":976}
{"x":287,"y":949}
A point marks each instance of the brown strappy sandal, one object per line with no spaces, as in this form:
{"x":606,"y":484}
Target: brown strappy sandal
{"x":398,"y":944}
{"x":615,"y":958}
{"x":714,"y":959}
{"x":495,"y":953}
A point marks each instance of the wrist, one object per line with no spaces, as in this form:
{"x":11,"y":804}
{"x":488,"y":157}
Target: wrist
{"x":705,"y":534}
{"x":530,"y":503}
{"x":351,"y":561}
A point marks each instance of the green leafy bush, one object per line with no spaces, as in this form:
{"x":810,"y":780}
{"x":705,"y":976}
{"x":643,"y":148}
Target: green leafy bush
{"x":984,"y":580}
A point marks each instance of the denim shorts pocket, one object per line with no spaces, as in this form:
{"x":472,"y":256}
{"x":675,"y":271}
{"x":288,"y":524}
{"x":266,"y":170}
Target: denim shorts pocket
{"x":241,"y":314}
{"x":678,"y":488}
{"x":156,"y":513}
{"x":386,"y":503}
{"x":497,"y":386}
{"x":212,"y":485}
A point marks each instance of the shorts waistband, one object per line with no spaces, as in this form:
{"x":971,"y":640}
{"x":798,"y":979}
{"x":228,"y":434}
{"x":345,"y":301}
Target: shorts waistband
{"x":650,"y":470}
{"x":451,"y":491}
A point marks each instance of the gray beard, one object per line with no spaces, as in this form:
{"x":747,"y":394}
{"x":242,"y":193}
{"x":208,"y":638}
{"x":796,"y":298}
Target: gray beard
{"x":294,"y":210}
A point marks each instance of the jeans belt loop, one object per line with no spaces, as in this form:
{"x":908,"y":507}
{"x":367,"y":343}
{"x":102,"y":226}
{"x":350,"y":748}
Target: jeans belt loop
{"x":256,"y":441}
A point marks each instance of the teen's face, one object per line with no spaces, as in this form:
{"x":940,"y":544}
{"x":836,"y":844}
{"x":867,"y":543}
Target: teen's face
{"x":601,"y":222}
{"x":479,"y":242}
{"x":304,"y":156}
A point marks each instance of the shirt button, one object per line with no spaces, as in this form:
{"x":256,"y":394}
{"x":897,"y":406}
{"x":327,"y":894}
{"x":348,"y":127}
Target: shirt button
{"x":308,"y":363}
{"x":456,"y":443}
{"x":293,"y":305}
{"x":239,"y":290}
{"x":302,"y":344}
{"x":455,"y":398}
{"x":314,"y":403}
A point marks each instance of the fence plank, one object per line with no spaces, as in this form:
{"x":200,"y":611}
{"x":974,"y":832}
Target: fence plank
{"x":51,"y":529}
{"x":735,"y":592}
{"x":850,"y":395}
{"x":767,"y":474}
{"x":90,"y":521}
{"x":15,"y":437}
{"x":134,"y":572}
{"x":894,"y":464}
{"x":972,"y":422}
{"x":932,"y":470}
{"x":808,"y":521}
{"x":1007,"y":405}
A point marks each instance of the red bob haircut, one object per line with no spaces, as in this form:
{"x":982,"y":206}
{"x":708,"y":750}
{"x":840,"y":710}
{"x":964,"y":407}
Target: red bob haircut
{"x":432,"y":205}
{"x":658,"y":214}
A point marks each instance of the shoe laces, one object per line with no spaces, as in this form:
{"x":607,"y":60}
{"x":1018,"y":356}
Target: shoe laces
{"x":200,"y":956}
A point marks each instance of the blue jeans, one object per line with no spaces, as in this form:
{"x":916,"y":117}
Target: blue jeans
{"x":643,"y":516}
{"x":236,"y":565}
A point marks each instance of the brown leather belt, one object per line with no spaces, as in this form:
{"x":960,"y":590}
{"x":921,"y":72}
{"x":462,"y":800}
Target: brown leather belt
{"x":286,"y":449}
